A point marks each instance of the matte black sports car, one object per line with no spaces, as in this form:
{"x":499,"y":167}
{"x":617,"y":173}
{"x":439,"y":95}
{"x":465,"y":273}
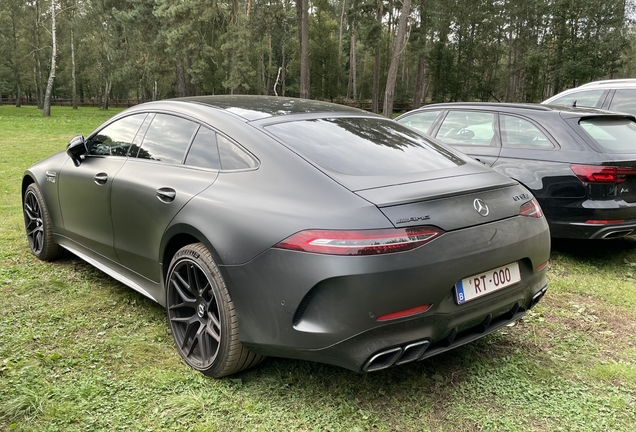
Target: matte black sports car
{"x":579,"y":163}
{"x":293,"y":228}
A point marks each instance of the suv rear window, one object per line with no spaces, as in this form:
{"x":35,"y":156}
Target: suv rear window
{"x":364,"y":146}
{"x":614,"y":135}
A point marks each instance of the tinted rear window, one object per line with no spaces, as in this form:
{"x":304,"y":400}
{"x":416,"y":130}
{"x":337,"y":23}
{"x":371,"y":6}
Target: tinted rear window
{"x":588,"y":98}
{"x":364,"y":146}
{"x":625,"y":101}
{"x":614,"y":135}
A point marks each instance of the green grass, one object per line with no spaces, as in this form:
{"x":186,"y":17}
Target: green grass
{"x":80,"y":351}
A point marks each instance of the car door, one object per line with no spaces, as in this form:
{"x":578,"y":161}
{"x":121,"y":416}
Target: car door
{"x":154,"y":185}
{"x":473,"y":132}
{"x":530,"y":155}
{"x":85,"y":190}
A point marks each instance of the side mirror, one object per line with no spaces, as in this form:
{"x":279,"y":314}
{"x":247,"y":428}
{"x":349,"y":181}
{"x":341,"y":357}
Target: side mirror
{"x":76,"y":148}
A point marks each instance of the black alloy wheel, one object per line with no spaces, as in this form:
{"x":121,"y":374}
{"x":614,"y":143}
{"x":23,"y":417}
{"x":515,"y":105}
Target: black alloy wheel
{"x":202,"y":316}
{"x":38,"y":225}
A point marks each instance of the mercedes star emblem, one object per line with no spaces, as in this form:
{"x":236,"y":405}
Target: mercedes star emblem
{"x":481,"y":207}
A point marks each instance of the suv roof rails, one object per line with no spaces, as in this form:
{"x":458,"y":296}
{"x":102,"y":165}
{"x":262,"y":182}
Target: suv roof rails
{"x":610,"y":81}
{"x":530,"y":106}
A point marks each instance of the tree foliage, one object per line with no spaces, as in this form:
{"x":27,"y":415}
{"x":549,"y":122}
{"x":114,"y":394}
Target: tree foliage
{"x":501,"y":50}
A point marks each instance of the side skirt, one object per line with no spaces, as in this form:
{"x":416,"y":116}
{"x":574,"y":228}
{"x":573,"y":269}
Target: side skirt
{"x":148,"y":288}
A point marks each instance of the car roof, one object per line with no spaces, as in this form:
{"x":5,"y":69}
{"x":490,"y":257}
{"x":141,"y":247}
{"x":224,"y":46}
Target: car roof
{"x":252,"y":107}
{"x":518,"y":107}
{"x":626,"y":83}
{"x":612,"y":83}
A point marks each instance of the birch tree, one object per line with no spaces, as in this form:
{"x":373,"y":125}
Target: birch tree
{"x":49,"y":84}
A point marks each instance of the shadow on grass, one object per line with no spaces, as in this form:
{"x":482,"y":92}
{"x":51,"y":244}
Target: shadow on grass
{"x":608,"y":250}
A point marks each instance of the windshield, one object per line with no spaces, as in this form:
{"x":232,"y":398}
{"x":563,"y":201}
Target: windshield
{"x":364,"y":146}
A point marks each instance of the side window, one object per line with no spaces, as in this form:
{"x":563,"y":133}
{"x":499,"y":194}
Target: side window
{"x":232,"y":156}
{"x":116,"y":138}
{"x":624,"y":101}
{"x":204,"y":152}
{"x":469,"y":128}
{"x":590,"y":99}
{"x":516,"y":132}
{"x":421,"y":121}
{"x":167,"y":139}
{"x":136,"y":144}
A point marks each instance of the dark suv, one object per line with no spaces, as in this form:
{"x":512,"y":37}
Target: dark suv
{"x":579,"y":163}
{"x":614,"y":95}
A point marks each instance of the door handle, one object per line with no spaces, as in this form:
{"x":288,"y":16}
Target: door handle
{"x":166,"y":195}
{"x":101,"y":178}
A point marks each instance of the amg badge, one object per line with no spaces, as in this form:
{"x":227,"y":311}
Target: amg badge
{"x":412,"y":219}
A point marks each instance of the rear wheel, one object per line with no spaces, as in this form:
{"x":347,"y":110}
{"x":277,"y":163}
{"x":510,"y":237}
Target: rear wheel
{"x":38,"y":225}
{"x":202,"y":316}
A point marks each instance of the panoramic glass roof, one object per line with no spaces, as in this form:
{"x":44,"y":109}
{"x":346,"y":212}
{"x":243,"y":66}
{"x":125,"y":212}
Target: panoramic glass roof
{"x":257,"y":107}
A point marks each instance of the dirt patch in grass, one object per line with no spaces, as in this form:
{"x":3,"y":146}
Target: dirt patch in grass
{"x":610,"y":329}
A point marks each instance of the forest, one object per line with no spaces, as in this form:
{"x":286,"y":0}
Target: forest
{"x":374,"y":53}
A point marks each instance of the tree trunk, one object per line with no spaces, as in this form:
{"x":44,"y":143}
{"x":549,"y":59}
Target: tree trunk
{"x":375,"y":104}
{"x":73,"y":78}
{"x":342,"y":14}
{"x":37,"y":65}
{"x":15,"y":61}
{"x":283,"y":73}
{"x":302,"y":12}
{"x":18,"y":98}
{"x":269,"y":64}
{"x":395,"y":60}
{"x":106,"y":99}
{"x":419,"y":82}
{"x":49,"y":84}
{"x":351,"y":88}
{"x":181,"y":85}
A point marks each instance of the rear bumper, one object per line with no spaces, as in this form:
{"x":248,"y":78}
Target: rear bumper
{"x":324,"y":308}
{"x":417,"y":339}
{"x":582,"y":230}
{"x":569,"y":219}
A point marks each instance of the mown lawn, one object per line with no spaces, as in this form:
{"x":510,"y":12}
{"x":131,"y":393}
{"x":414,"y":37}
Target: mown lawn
{"x":80,"y":351}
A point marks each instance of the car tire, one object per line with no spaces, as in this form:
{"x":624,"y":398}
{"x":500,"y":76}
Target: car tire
{"x":37,"y":224}
{"x":202,"y":317}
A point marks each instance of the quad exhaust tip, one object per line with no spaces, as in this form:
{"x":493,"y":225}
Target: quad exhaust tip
{"x":537,"y":297}
{"x":617,"y":234}
{"x":396,"y":356}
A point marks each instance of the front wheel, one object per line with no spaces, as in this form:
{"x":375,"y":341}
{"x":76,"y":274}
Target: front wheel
{"x":202,"y":317}
{"x":37,"y":223}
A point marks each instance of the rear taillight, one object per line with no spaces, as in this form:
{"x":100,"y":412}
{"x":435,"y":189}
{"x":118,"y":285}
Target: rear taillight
{"x":601,"y":174}
{"x":531,"y":209}
{"x":363,"y":242}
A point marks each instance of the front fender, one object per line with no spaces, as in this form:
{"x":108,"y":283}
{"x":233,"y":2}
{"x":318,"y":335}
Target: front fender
{"x":45,"y":175}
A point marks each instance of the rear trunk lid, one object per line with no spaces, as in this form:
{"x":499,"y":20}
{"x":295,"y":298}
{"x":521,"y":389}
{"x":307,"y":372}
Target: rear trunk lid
{"x":450,"y":203}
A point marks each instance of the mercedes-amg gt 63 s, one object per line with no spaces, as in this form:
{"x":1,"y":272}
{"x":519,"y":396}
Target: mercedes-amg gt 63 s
{"x":294,"y":228}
